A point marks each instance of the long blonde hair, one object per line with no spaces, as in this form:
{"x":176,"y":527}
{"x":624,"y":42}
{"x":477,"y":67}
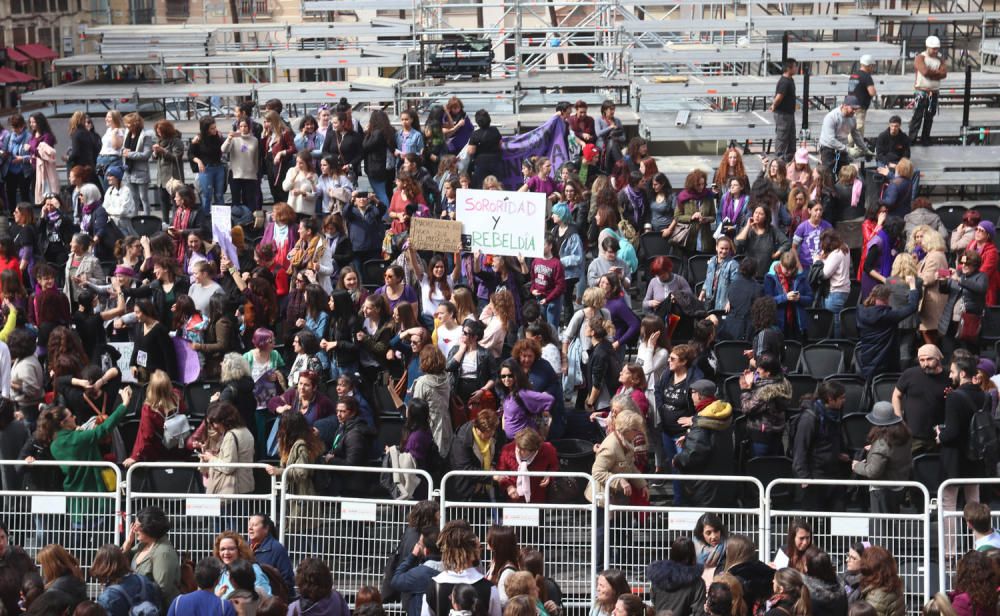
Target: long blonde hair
{"x":277,"y":125}
{"x":160,"y":394}
{"x":904,"y":265}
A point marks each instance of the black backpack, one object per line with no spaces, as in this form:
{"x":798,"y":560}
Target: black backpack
{"x":983,"y":445}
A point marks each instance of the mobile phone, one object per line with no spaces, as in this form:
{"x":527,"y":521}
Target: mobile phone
{"x":944,"y":272}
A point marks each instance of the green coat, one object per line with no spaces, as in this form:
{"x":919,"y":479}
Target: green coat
{"x":82,"y":446}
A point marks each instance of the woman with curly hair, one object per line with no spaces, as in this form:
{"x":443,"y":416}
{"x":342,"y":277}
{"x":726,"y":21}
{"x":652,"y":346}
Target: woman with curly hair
{"x":500,"y":319}
{"x":696,"y":210}
{"x":314,"y":582}
{"x":230,"y":547}
{"x":881,"y":586}
{"x":975,"y":591}
{"x":460,"y":550}
{"x":151,"y":553}
{"x":298,"y":444}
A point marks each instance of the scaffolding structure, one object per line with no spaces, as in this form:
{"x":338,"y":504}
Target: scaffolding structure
{"x":712,"y":58}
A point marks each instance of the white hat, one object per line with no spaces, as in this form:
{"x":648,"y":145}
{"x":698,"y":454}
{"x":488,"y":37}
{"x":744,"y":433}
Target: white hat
{"x":867,"y":60}
{"x":932,"y":42}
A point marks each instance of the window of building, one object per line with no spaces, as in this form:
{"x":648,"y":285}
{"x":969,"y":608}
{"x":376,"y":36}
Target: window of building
{"x":178,"y":9}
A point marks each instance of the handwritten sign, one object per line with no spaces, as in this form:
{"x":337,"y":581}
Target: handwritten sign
{"x":503,"y":223}
{"x":436,"y":235}
{"x":125,"y":350}
{"x":222,"y":232}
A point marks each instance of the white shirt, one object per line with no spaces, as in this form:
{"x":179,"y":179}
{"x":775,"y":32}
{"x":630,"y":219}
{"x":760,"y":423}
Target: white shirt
{"x":447,"y":339}
{"x":5,"y":364}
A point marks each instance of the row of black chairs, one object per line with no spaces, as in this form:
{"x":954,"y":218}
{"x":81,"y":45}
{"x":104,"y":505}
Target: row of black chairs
{"x":861,"y":395}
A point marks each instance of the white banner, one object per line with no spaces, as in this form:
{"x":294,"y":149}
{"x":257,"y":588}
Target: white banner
{"x":503,"y":223}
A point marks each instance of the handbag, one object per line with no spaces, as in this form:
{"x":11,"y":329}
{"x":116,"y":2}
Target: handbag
{"x":680,"y":235}
{"x":176,"y":429}
{"x":969,"y":326}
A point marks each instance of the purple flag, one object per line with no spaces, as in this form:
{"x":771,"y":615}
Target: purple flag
{"x":188,"y":364}
{"x":547,"y":140}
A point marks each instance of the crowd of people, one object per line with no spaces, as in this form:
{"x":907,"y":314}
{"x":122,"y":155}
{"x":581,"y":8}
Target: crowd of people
{"x":320,"y":325}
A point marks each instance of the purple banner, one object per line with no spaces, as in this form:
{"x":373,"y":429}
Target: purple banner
{"x":547,"y":140}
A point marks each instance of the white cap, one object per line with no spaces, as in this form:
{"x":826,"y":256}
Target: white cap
{"x":932,"y":42}
{"x":867,"y":60}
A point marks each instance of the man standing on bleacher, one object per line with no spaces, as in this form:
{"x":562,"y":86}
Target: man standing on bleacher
{"x":783,"y":109}
{"x":929,"y":70}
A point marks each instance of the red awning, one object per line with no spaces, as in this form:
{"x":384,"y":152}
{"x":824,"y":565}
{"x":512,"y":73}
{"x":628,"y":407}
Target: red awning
{"x":9,"y":76}
{"x":17,"y":56}
{"x":37,"y":51}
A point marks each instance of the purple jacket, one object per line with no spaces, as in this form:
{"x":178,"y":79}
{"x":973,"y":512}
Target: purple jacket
{"x":626,"y":323}
{"x":517,"y":408}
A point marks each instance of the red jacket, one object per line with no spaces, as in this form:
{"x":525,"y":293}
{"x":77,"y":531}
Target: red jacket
{"x":991,"y":257}
{"x":545,"y":461}
{"x":149,"y":439}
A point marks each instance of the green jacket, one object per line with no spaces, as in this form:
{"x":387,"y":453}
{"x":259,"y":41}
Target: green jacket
{"x":162,"y":565}
{"x":82,"y":446}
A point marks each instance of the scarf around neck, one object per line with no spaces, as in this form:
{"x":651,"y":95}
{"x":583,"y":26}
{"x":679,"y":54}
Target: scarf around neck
{"x":523,"y":482}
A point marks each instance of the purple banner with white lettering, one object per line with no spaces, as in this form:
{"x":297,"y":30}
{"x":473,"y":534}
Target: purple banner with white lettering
{"x":547,"y":140}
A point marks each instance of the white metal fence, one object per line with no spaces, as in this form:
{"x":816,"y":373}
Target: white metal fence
{"x":905,"y":535}
{"x":565,"y":533}
{"x":953,"y":537}
{"x":354,"y":536}
{"x":79,"y":521}
{"x":178,"y":489}
{"x":638,"y":535}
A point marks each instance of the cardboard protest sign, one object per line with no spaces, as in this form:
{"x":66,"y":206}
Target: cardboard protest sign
{"x":503,"y":223}
{"x":435,"y":234}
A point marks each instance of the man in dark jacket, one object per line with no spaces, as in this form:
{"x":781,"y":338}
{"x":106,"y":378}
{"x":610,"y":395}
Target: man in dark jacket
{"x":465,"y":455}
{"x":878,"y":328}
{"x":351,"y":446}
{"x":415,"y":573}
{"x":708,"y":448}
{"x":764,"y":400}
{"x":953,"y":436}
{"x":816,"y":445}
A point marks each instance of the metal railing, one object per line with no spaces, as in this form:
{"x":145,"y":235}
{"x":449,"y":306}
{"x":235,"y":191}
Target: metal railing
{"x":197,"y":517}
{"x":565,"y":533}
{"x":953,"y":538}
{"x":905,"y":535}
{"x":354,"y":536}
{"x":79,"y":521}
{"x":638,"y":535}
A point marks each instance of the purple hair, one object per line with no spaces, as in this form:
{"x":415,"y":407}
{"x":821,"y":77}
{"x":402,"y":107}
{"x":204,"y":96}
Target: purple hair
{"x":262,"y":337}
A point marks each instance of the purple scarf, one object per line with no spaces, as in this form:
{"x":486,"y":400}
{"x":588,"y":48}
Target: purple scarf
{"x":638,"y":205}
{"x":731,"y":208}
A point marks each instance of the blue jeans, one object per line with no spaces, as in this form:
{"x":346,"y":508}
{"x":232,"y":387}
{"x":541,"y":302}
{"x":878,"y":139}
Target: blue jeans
{"x":212,"y":184}
{"x":835,"y":302}
{"x":670,"y":450}
{"x":553,"y":312}
{"x":379,"y":188}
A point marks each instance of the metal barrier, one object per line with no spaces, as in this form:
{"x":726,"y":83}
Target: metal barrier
{"x":177,"y":488}
{"x":954,"y":539}
{"x":79,"y":521}
{"x":354,"y":536}
{"x":638,"y":535}
{"x":566,"y":533}
{"x":905,"y":535}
